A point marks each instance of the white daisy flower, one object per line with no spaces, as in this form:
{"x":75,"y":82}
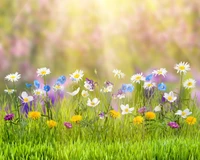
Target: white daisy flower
{"x":13,"y":77}
{"x":77,"y":76}
{"x":84,"y":93}
{"x":182,"y":67}
{"x":170,"y":96}
{"x":43,"y":71}
{"x":137,"y":78}
{"x":58,"y":87}
{"x":9,"y":91}
{"x":149,"y":85}
{"x":38,"y":92}
{"x":25,"y":98}
{"x":161,"y":71}
{"x":93,"y":103}
{"x":184,"y":113}
{"x":157,"y":108}
{"x":118,"y":73}
{"x":125,"y":109}
{"x":74,"y":92}
{"x":189,"y":83}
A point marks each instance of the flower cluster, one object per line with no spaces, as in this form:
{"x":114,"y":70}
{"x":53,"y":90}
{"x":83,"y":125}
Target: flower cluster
{"x":145,"y":99}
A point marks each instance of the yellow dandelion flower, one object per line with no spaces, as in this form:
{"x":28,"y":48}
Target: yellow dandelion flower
{"x":138,"y":120}
{"x":51,"y":123}
{"x":34,"y":115}
{"x":150,"y":115}
{"x":191,"y":120}
{"x":76,"y":118}
{"x":114,"y":114}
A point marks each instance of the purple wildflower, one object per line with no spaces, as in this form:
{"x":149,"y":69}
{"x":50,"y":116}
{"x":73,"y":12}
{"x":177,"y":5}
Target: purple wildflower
{"x":142,"y":110}
{"x":68,"y":125}
{"x":108,"y":83}
{"x":89,"y":84}
{"x":9,"y":117}
{"x":173,"y":125}
{"x":102,"y":115}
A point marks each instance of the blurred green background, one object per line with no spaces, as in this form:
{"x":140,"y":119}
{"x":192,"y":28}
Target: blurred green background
{"x":65,"y":35}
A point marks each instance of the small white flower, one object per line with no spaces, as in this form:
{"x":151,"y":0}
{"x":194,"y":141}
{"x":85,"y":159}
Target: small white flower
{"x":43,"y":71}
{"x":58,"y":87}
{"x":125,"y":109}
{"x":184,"y":113}
{"x":88,"y":86}
{"x":189,"y":83}
{"x":93,"y":103}
{"x":182,"y":67}
{"x":161,"y":71}
{"x":84,"y":93}
{"x":107,"y":89}
{"x":149,"y":85}
{"x":157,"y":108}
{"x":77,"y":76}
{"x":25,"y":98}
{"x":9,"y":91}
{"x":74,"y":92}
{"x":13,"y":77}
{"x":137,"y":78}
{"x":170,"y":97}
{"x":118,"y":73}
{"x":38,"y":92}
{"x":121,"y":96}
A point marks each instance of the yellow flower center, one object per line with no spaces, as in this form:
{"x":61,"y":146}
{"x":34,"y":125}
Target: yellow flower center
{"x":159,"y":72}
{"x":92,"y":103}
{"x":57,"y":87}
{"x":182,"y":68}
{"x":169,"y":98}
{"x":77,"y":75}
{"x":38,"y":93}
{"x":13,"y":77}
{"x":149,"y":85}
{"x":126,"y":110}
{"x":138,"y":78}
{"x":84,"y":94}
{"x":183,"y":114}
{"x":43,"y":72}
{"x":189,"y":83}
{"x":25,"y":100}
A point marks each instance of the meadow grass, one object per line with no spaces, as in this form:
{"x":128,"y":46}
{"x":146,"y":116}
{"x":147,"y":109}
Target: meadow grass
{"x":94,"y":138}
{"x":157,"y":125}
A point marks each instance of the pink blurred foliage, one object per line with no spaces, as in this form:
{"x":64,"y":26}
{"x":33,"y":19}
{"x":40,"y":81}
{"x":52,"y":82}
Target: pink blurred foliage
{"x":20,"y":47}
{"x":4,"y":62}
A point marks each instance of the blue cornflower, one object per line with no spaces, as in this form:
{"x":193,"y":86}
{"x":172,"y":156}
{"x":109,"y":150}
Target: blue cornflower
{"x":61,"y":80}
{"x":47,"y":88}
{"x":28,"y":85}
{"x":127,"y":88}
{"x":124,"y":88}
{"x":36,"y":84}
{"x":130,"y":88}
{"x":162,"y":87}
{"x":149,"y":77}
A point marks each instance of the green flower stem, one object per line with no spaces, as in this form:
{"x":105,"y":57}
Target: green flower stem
{"x":180,"y":93}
